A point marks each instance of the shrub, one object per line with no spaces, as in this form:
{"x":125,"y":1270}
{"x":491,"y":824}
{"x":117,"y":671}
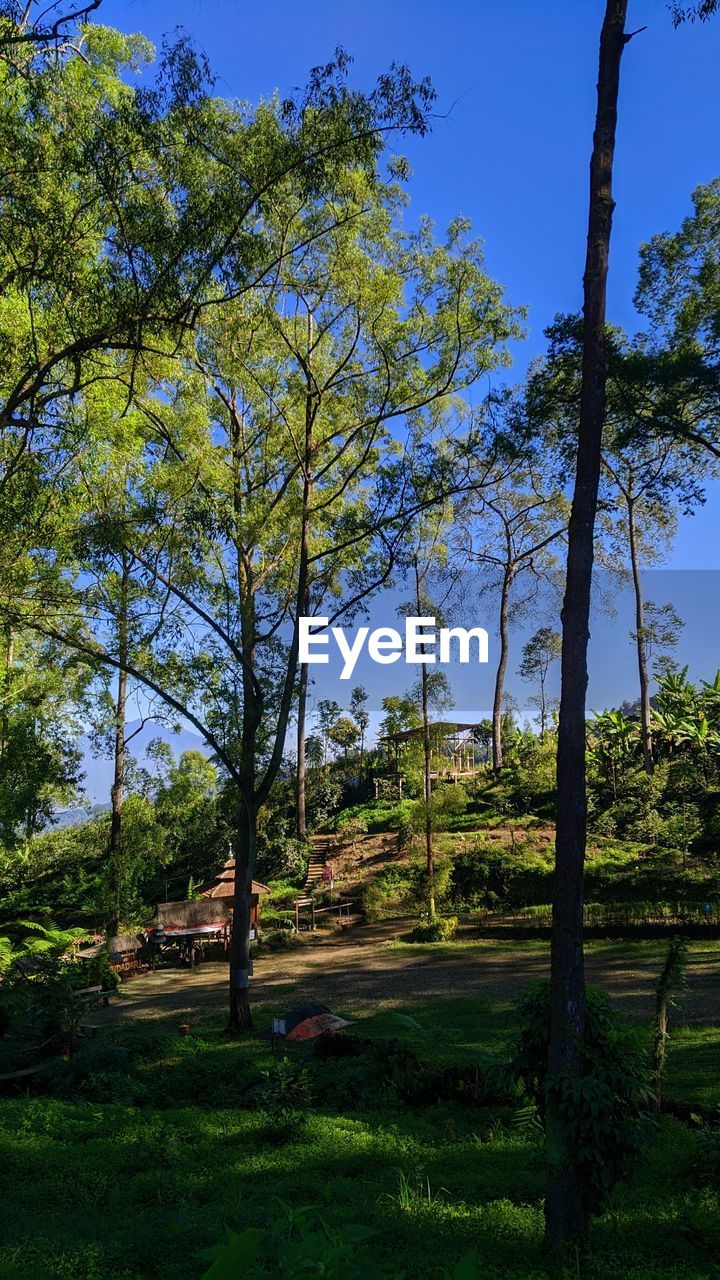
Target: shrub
{"x":439,"y":929}
{"x":389,"y":893}
{"x":351,"y":828}
{"x":487,"y":875}
{"x":405,"y":830}
{"x":40,"y":982}
{"x":277,"y":940}
{"x":285,"y":1096}
{"x":274,"y":917}
{"x":606,"y":1111}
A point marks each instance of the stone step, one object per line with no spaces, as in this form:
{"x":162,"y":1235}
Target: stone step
{"x":320,"y":851}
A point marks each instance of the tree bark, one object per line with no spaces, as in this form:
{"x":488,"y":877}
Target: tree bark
{"x":427,"y":781}
{"x":300,"y":815}
{"x":497,"y":746}
{"x":565,"y":1207}
{"x":5,"y":709}
{"x":645,"y":723}
{"x":239,"y":1014}
{"x":117,"y":790}
{"x":310,"y":412}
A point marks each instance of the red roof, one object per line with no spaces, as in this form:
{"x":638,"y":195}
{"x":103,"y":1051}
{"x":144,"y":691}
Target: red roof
{"x":223,"y":886}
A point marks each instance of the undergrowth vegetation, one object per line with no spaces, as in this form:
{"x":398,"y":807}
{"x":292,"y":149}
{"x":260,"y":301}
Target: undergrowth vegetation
{"x":413,"y":1130}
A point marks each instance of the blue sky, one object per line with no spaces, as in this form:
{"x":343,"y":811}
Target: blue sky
{"x":694,"y":594}
{"x":511,"y":144}
{"x":510,"y":149}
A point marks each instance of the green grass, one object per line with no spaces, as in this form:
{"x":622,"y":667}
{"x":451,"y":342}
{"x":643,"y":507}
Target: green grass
{"x":155,"y":1145}
{"x":692,"y":1072}
{"x":645,"y":950}
{"x":460,"y":1030}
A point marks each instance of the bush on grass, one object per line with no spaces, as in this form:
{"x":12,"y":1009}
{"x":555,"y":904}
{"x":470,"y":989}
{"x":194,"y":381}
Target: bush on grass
{"x":607,"y":1111}
{"x":274,"y":940}
{"x":438,"y":929}
{"x":284,"y":1096}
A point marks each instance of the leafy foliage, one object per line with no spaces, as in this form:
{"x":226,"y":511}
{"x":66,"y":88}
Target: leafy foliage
{"x":604,"y":1110}
{"x":439,"y":929}
{"x":285,"y":1096}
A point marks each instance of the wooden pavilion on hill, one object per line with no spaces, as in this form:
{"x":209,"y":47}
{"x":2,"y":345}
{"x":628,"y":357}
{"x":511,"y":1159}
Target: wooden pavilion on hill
{"x":222,"y":889}
{"x":204,"y":919}
{"x":457,"y":751}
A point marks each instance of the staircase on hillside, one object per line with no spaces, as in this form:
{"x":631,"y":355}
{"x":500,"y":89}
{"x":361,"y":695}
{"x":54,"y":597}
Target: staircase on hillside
{"x":316,"y":862}
{"x":321,"y":850}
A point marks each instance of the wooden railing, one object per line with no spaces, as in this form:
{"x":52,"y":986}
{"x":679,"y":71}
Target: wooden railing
{"x":342,"y":906}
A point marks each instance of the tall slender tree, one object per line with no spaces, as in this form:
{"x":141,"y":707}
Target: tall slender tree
{"x":539,"y":653}
{"x":648,"y":475}
{"x":359,"y":698}
{"x":565,"y":1210}
{"x":510,"y":536}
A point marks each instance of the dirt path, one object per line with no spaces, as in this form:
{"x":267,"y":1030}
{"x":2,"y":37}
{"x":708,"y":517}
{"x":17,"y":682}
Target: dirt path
{"x":355,"y":971}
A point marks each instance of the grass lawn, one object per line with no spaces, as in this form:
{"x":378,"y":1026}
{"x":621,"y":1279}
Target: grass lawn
{"x":152,"y":1145}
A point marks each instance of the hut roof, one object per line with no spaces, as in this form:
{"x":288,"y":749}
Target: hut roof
{"x":223,"y":886}
{"x":448,"y":728}
{"x":121,"y":944}
{"x":199,"y":911}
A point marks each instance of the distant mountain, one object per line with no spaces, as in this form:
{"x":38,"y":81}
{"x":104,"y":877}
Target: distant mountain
{"x":76,"y":817}
{"x":98,"y":769}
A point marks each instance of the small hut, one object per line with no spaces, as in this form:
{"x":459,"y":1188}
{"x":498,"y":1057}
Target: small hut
{"x":189,"y":919}
{"x":124,"y":952}
{"x":222,"y":890}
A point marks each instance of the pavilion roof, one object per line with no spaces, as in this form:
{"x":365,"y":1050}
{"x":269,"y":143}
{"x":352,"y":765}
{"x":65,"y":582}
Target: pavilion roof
{"x":223,"y":886}
{"x":447,"y":728}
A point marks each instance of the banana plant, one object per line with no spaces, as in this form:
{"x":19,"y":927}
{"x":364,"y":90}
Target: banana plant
{"x":616,"y":740}
{"x":702,"y":741}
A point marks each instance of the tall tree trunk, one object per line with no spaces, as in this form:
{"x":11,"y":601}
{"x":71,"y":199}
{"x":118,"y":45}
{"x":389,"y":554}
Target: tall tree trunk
{"x":239,"y":1014}
{"x":645,"y":725}
{"x":253,"y":796}
{"x":117,"y":790}
{"x":543,"y":710}
{"x":427,"y":781}
{"x":565,"y":1208}
{"x":300,"y":816}
{"x":310,"y":411}
{"x":5,"y":707}
{"x":497,"y":746}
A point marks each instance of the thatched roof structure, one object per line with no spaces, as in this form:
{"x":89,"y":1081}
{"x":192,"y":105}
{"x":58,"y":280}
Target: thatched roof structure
{"x":223,"y":886}
{"x":122,"y":944}
{"x":183,"y":915}
{"x":209,"y":914}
